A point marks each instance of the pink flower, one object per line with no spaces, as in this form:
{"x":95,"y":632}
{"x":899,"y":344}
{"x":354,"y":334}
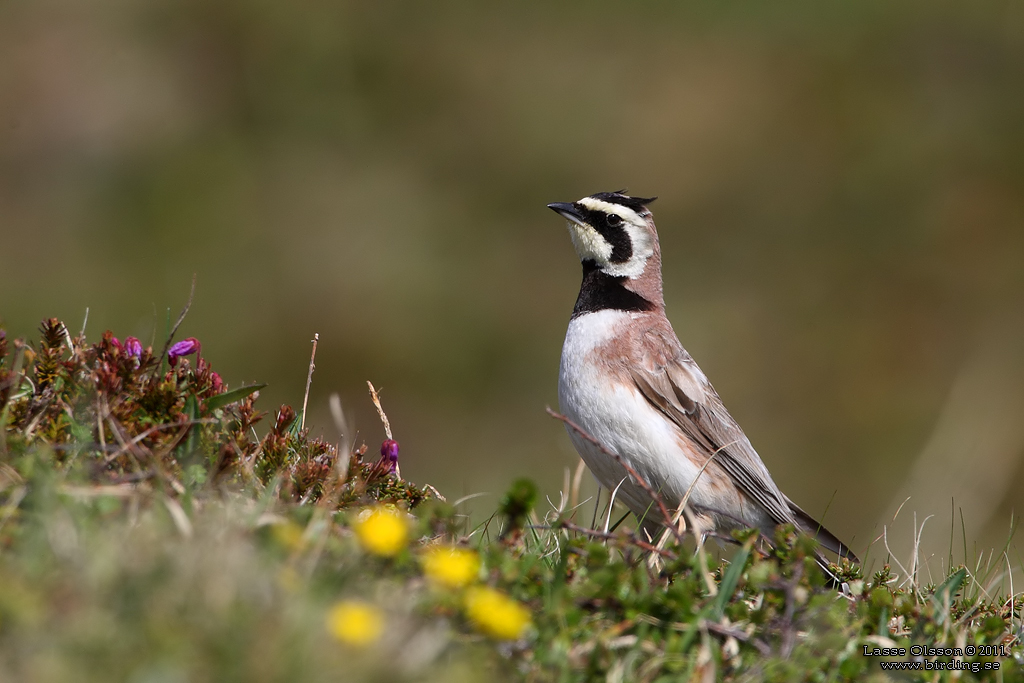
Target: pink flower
{"x":217,"y":382}
{"x":389,"y":455}
{"x":186,"y":347}
{"x":132,"y":347}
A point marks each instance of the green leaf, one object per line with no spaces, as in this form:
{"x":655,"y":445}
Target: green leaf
{"x":732,"y":577}
{"x":295,"y":428}
{"x":191,"y":410}
{"x":947,"y":590}
{"x":229,"y":397}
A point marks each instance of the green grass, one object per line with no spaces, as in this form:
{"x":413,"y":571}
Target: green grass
{"x":149,"y":533}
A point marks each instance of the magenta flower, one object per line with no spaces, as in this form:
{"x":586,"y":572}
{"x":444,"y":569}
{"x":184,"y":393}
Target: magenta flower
{"x":389,"y":455}
{"x":115,"y":343}
{"x":186,"y":347}
{"x":217,"y":382}
{"x":132,"y":347}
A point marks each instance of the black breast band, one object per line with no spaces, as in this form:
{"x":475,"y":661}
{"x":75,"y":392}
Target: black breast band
{"x":601,"y":292}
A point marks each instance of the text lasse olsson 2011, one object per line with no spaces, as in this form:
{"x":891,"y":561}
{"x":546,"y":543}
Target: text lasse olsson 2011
{"x":925,"y":651}
{"x":955,"y":664}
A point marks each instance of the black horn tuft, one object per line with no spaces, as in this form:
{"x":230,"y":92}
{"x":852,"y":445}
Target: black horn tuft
{"x":620,"y":197}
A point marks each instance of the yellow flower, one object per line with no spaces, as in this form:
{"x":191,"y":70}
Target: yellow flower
{"x":355,"y":623}
{"x":382,"y":531}
{"x":495,"y":613}
{"x":289,"y":580}
{"x":452,"y":567}
{"x":290,"y":535}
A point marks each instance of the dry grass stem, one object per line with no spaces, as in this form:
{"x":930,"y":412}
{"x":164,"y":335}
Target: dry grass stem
{"x":577,"y":481}
{"x":344,"y":437}
{"x":309,"y":380}
{"x":84,"y":323}
{"x":380,"y":411}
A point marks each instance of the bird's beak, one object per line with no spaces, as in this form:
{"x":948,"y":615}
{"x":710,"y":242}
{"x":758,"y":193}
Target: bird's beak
{"x":568,"y":211}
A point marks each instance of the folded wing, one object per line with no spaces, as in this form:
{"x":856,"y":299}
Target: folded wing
{"x":676,"y":387}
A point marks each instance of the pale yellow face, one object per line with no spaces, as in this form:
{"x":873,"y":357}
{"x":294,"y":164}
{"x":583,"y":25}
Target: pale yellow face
{"x":591,"y":245}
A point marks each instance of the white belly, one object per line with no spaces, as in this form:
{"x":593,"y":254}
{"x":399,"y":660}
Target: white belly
{"x":620,"y":418}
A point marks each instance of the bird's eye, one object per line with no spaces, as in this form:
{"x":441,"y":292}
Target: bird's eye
{"x":614,"y":220}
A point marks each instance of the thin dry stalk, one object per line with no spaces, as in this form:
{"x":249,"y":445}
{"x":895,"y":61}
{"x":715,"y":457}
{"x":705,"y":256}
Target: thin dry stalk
{"x":309,"y":380}
{"x":709,"y":581}
{"x":577,"y":480}
{"x":345,"y":440}
{"x":67,"y":338}
{"x":611,"y":504}
{"x":380,"y":411}
{"x":132,"y":450}
{"x":152,"y":430}
{"x":605,"y":536}
{"x":563,"y":495}
{"x":677,"y":518}
{"x":99,"y":429}
{"x":885,"y":542}
{"x":597,"y":507}
{"x":711,"y":626}
{"x":915,"y":562}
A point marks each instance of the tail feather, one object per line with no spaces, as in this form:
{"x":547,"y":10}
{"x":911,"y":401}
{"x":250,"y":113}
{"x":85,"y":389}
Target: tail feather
{"x":825,"y":537}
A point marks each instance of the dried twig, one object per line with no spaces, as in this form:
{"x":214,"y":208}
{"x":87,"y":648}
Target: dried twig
{"x":309,"y":380}
{"x":345,"y":439}
{"x":67,"y":338}
{"x":702,"y":558}
{"x":380,"y":411}
{"x":729,"y":632}
{"x":605,"y":536}
{"x":710,"y":626}
{"x":680,"y":525}
{"x":577,"y":481}
{"x":152,"y":430}
{"x":335,"y":485}
{"x":133,"y":450}
{"x":100,"y":431}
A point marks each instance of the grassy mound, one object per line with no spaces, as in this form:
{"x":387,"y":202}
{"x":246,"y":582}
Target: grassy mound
{"x":148,"y":533}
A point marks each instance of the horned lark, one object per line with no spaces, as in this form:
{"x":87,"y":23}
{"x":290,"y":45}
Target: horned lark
{"x":627,"y":381}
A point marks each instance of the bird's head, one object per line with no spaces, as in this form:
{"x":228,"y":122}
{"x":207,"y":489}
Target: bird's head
{"x":613,"y":231}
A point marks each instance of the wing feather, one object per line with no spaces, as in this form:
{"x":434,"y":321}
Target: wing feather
{"x":700,"y":423}
{"x":672,"y":383}
{"x":825,"y":537}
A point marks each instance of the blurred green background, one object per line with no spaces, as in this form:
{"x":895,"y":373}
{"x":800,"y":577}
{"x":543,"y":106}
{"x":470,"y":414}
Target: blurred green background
{"x":841,"y":213}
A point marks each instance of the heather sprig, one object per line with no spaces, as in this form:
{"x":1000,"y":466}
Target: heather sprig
{"x":108,"y":411}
